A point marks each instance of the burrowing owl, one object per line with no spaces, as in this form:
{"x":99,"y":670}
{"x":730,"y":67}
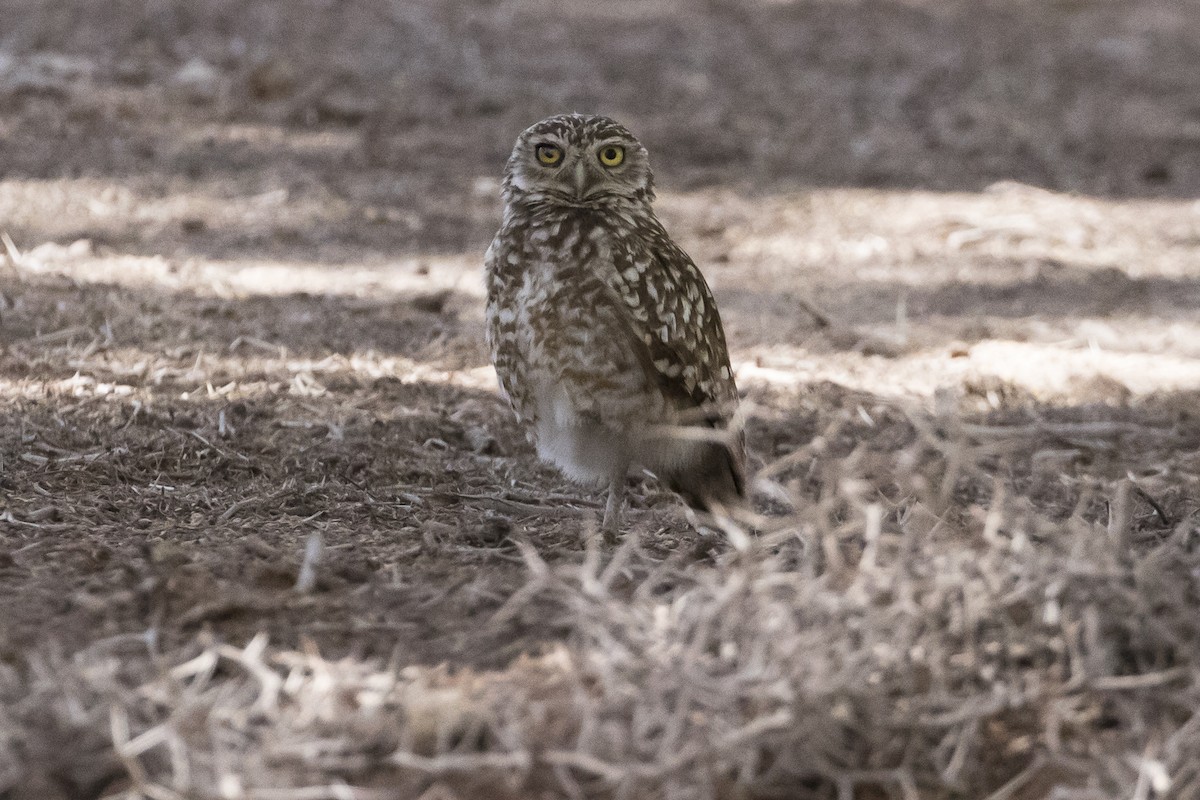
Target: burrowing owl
{"x":604,"y":333}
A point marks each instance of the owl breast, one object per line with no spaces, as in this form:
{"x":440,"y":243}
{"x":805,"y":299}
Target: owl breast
{"x":561,"y":344}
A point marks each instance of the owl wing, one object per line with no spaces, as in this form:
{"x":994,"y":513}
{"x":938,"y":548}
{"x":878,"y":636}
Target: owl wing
{"x":501,"y":326}
{"x":676,"y":330}
{"x":674,"y":325}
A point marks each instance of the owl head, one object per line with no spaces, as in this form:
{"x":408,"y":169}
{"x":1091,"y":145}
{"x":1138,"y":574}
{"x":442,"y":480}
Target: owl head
{"x":578,"y":160}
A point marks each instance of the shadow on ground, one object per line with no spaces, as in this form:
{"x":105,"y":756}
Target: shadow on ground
{"x":1092,"y":98}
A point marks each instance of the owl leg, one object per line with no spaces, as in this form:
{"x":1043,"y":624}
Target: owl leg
{"x":616,"y":499}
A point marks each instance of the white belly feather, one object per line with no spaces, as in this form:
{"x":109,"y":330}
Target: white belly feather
{"x":588,"y":452}
{"x":585,"y":450}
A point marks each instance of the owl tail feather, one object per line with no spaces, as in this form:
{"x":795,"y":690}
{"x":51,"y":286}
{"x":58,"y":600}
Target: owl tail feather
{"x":716,"y":478}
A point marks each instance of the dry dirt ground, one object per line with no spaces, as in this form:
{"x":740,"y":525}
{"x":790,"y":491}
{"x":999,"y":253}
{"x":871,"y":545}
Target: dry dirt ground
{"x":267,"y":531}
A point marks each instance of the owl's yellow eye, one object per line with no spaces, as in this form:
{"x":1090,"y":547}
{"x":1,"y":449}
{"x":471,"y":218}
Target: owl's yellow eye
{"x":612,"y":155}
{"x":548,"y":154}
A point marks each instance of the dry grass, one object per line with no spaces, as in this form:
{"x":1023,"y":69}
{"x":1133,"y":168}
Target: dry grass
{"x":914,"y":626}
{"x":267,"y":532}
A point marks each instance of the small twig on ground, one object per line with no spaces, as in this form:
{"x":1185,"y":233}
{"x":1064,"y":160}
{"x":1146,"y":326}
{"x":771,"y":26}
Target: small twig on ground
{"x":223,"y":451}
{"x":270,"y":347}
{"x":15,"y":259}
{"x":336,"y":791}
{"x":819,"y":316}
{"x":585,"y":762}
{"x":1145,"y":680}
{"x":1158,"y":509}
{"x":502,"y":504}
{"x":65,"y":334}
{"x":220,"y":607}
{"x":307,"y":580}
{"x":1019,"y":780}
{"x":1104,"y":430}
{"x":543,"y":500}
{"x":72,"y":458}
{"x":449,"y":763}
{"x":1119,"y":516}
{"x":246,"y":502}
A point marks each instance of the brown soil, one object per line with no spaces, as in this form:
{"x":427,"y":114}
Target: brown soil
{"x":240,"y":309}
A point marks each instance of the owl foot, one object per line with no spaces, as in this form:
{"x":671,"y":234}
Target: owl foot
{"x":611,"y":526}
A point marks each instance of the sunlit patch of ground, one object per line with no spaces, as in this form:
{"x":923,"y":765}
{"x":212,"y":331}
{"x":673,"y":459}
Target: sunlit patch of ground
{"x":268,"y":531}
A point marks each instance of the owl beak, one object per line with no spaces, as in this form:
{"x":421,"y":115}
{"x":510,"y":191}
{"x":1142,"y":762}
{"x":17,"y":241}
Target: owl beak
{"x":582,"y":180}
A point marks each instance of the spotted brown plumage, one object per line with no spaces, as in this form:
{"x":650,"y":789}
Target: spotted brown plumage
{"x":603,"y":332}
